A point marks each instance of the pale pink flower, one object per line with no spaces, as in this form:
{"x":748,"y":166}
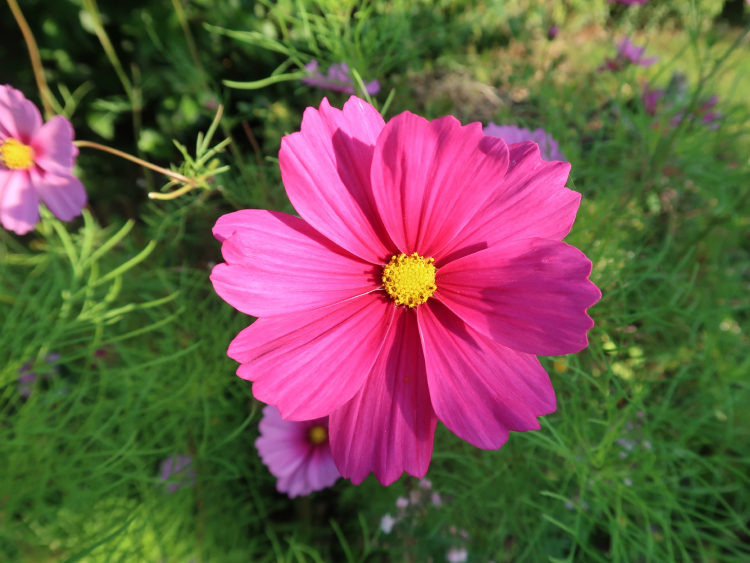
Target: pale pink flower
{"x":298,"y":454}
{"x":402,"y":502}
{"x":177,"y":472}
{"x":36,"y":162}
{"x":424,"y":274}
{"x":386,"y":523}
{"x":425,"y":484}
{"x":457,"y":555}
{"x":549,"y":148}
{"x":338,"y":78}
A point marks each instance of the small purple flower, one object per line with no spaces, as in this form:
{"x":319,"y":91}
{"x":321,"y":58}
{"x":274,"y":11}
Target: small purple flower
{"x":549,"y":148}
{"x":651,"y":98}
{"x":628,"y":53}
{"x":338,"y":78}
{"x":27,"y":378}
{"x":626,"y":444}
{"x":177,"y":466}
{"x":553,"y":31}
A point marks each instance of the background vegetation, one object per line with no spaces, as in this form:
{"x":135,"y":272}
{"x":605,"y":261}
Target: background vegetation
{"x":647,"y":458}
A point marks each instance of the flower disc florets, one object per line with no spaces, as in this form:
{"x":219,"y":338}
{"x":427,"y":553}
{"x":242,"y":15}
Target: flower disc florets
{"x":15,"y":155}
{"x":317,"y":435}
{"x":410,"y":280}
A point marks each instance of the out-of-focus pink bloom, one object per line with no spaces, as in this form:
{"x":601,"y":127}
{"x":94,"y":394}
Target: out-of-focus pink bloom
{"x":457,"y":555}
{"x":338,"y":78}
{"x":425,"y":272}
{"x":704,"y":112}
{"x":628,"y":53}
{"x":177,"y":472}
{"x":298,"y":454}
{"x":436,"y":500}
{"x":651,"y":98}
{"x":425,"y":484}
{"x":402,"y":502}
{"x":386,"y":523}
{"x":27,"y":378}
{"x":511,"y":134}
{"x":630,"y":2}
{"x":36,"y":163}
{"x":553,"y":31}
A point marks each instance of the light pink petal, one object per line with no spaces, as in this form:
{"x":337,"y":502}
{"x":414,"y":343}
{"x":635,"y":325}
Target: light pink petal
{"x":321,"y":470}
{"x":64,"y":195}
{"x":388,"y":426}
{"x":19,"y":118}
{"x":53,"y":146}
{"x":430,"y":179}
{"x":532,"y":201}
{"x":326,"y":172}
{"x":479,"y":389}
{"x":277,"y":264}
{"x":308,"y":364}
{"x":530,"y":295}
{"x":19,"y":205}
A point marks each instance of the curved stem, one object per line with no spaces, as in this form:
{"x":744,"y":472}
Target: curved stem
{"x":36,"y":59}
{"x":171,"y":174}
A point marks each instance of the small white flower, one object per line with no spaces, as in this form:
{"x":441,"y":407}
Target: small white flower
{"x":386,"y":523}
{"x":457,"y":555}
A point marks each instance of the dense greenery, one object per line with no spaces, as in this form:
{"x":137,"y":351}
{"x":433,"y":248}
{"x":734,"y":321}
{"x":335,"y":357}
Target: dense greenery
{"x":648,"y":455}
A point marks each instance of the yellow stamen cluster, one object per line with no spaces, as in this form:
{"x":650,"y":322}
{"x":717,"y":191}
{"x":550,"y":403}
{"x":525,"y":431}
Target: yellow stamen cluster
{"x":317,"y":435}
{"x":15,"y":155}
{"x":410,"y":280}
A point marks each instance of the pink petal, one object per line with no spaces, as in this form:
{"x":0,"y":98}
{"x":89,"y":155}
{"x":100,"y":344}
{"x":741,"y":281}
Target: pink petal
{"x":19,"y":205}
{"x":430,"y":179}
{"x":388,"y":426}
{"x":308,"y":364}
{"x":532,"y":201}
{"x":530,"y":295}
{"x":321,"y":470}
{"x":19,"y":118}
{"x":277,"y":264}
{"x":64,"y":195}
{"x":53,"y":146}
{"x":479,"y":389}
{"x":326,"y":172}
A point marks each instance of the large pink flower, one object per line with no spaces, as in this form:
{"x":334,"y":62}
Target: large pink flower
{"x":36,"y":162}
{"x":424,"y":275}
{"x":298,"y":454}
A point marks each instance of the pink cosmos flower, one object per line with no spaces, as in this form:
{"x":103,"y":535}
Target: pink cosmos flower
{"x":338,"y":78}
{"x":177,"y":472}
{"x":511,"y":134}
{"x":298,"y":454}
{"x":424,"y":274}
{"x":628,"y":53}
{"x":36,"y":162}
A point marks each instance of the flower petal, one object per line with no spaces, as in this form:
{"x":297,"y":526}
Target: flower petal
{"x":530,"y":295}
{"x":19,"y":118}
{"x":277,"y":264}
{"x":64,"y":195}
{"x":19,"y":205}
{"x":309,"y":364}
{"x":431,"y":177}
{"x":326,"y":172}
{"x":53,"y":146}
{"x":388,"y":426}
{"x":532,"y":201}
{"x":479,"y":389}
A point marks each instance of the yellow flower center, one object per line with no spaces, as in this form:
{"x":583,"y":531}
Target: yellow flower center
{"x":317,"y":435}
{"x":15,"y":155}
{"x":410,"y":280}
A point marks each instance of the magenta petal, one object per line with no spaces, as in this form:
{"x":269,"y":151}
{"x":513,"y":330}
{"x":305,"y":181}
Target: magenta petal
{"x":479,"y":389}
{"x":64,"y":195}
{"x":326,"y":172}
{"x":53,"y":146}
{"x":388,"y":426}
{"x":19,"y":118}
{"x":308,"y":364}
{"x":19,"y":205}
{"x":532,"y":201}
{"x":277,"y":264}
{"x":430,"y":178}
{"x":530,"y":295}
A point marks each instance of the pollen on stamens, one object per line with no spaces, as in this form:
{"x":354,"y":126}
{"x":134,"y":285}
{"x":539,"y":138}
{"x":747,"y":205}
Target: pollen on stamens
{"x":317,"y":435}
{"x":409,"y":279}
{"x":15,"y":155}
